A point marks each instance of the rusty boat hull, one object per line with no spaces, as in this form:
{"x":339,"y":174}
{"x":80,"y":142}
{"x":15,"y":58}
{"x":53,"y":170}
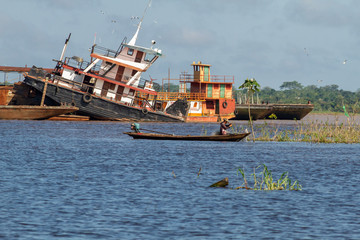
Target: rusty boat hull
{"x":291,"y":111}
{"x":28,"y":112}
{"x":257,"y":111}
{"x":264,"y":111}
{"x":97,"y":107}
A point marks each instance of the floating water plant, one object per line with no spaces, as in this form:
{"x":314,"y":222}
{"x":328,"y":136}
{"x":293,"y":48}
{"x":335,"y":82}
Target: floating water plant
{"x":265,"y":181}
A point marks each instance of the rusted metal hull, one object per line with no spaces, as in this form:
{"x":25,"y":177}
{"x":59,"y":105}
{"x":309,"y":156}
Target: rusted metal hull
{"x":257,"y":111}
{"x":100,"y":108}
{"x":26,"y":112}
{"x":291,"y":111}
{"x":5,"y":94}
{"x":282,"y":111}
{"x":21,"y":94}
{"x":153,"y":136}
{"x":21,"y":69}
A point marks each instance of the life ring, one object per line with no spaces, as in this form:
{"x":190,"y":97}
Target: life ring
{"x":87,"y":97}
{"x":144,"y":111}
{"x":225,"y":104}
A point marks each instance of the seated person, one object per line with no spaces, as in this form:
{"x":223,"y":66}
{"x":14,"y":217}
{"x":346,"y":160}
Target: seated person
{"x":225,"y":124}
{"x":135,"y":127}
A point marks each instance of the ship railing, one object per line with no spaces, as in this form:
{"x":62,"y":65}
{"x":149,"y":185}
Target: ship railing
{"x":105,"y":51}
{"x":80,"y":64}
{"x":144,"y":83}
{"x":173,"y":96}
{"x":141,"y":83}
{"x":185,"y":77}
{"x":132,"y":99}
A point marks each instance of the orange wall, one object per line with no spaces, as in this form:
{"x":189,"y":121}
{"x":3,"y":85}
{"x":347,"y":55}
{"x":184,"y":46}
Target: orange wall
{"x":230,"y":108}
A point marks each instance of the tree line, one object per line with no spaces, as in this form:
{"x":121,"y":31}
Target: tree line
{"x":325,"y":98}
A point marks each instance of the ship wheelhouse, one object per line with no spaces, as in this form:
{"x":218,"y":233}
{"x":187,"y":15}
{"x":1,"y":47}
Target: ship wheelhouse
{"x":117,"y":77}
{"x":210,"y":96}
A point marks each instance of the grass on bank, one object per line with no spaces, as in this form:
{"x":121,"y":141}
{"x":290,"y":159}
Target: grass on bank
{"x":314,"y":132}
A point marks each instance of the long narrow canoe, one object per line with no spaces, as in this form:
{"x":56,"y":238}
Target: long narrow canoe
{"x":153,"y":136}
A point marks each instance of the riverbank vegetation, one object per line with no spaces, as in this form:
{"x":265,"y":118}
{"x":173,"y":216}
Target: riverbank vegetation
{"x":314,"y":132}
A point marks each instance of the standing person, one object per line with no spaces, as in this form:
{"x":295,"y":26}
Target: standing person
{"x":225,"y":124}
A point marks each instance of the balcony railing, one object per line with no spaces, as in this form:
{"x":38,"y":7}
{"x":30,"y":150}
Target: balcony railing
{"x":173,"y":96}
{"x":184,"y":77}
{"x":73,"y":62}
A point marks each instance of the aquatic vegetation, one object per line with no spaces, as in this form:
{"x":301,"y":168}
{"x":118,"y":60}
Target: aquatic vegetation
{"x":314,"y":132}
{"x":265,"y":181}
{"x":273,"y":116}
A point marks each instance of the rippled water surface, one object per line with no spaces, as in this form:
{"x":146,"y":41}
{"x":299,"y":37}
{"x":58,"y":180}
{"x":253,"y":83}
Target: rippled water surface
{"x":87,"y":180}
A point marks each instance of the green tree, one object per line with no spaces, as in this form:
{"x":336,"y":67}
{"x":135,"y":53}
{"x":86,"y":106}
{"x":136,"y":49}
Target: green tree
{"x":252,"y":86}
{"x":291,"y":85}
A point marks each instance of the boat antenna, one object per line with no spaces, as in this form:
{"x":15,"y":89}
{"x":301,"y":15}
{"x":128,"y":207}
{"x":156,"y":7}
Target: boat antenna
{"x":134,"y":38}
{"x":63,"y":51}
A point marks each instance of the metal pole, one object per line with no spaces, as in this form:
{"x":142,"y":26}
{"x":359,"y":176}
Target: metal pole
{"x":5,"y":77}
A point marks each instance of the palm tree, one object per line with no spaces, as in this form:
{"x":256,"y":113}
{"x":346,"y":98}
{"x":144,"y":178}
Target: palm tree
{"x":252,"y":87}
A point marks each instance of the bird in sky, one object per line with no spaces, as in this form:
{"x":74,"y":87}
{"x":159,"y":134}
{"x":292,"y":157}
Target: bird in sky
{"x":344,"y":62}
{"x":307,"y":54}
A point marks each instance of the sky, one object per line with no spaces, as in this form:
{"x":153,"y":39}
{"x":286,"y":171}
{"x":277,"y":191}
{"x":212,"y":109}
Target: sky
{"x":313,"y":42}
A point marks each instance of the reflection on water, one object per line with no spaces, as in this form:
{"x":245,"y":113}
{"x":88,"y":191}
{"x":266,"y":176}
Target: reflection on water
{"x":87,"y":180}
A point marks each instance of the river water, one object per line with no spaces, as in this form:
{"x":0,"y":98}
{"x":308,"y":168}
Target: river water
{"x":88,"y":180}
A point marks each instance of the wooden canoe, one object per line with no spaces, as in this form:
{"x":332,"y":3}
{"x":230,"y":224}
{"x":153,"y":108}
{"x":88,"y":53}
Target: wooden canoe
{"x":154,"y":136}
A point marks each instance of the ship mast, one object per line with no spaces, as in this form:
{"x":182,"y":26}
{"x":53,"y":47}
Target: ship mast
{"x":134,"y":38}
{"x":63,"y":51}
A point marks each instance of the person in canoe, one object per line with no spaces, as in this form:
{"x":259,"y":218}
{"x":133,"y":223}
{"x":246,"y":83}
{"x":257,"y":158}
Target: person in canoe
{"x":135,"y":127}
{"x":225,"y":124}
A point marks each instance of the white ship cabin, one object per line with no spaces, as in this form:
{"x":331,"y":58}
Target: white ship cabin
{"x":119,"y":76}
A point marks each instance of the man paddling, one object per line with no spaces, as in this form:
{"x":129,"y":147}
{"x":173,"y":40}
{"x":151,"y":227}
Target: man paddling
{"x":225,"y":124}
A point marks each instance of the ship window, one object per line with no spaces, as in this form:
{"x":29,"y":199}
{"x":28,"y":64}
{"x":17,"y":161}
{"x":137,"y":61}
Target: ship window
{"x":149,"y":57}
{"x":112,"y":86}
{"x":131,"y":92}
{"x":130,"y":52}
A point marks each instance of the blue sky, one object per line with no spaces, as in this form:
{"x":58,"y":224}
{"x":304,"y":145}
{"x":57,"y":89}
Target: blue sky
{"x":273,"y":41}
